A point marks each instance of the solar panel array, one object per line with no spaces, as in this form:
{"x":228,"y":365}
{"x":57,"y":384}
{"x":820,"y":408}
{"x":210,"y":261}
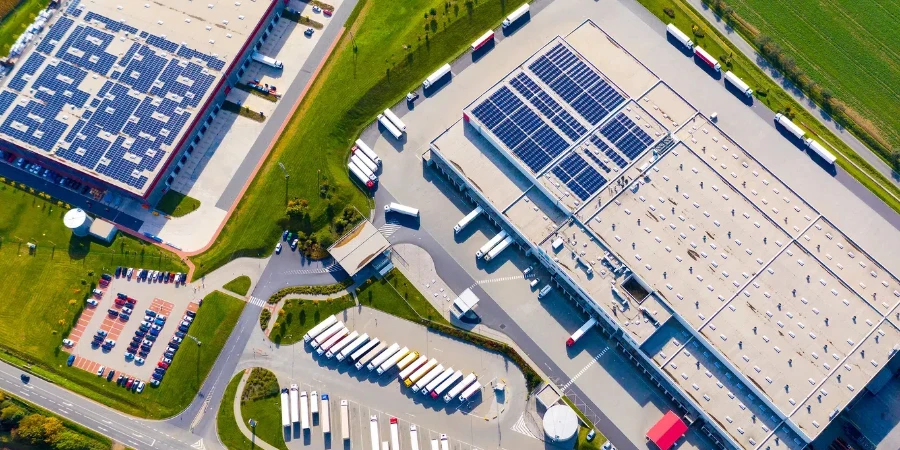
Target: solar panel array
{"x":529,"y":136}
{"x":142,"y":107}
{"x":578,"y":84}
{"x":630,"y":139}
{"x":579,"y":176}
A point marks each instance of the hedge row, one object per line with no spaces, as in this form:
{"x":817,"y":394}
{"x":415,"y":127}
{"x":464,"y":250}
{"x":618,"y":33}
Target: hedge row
{"x":310,"y":290}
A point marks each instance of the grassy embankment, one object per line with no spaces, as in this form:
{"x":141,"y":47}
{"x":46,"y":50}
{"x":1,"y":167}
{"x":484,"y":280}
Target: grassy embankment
{"x":386,"y":56}
{"x":239,"y":285}
{"x":176,"y":204}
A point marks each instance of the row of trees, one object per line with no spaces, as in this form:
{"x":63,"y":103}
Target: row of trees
{"x":32,"y":428}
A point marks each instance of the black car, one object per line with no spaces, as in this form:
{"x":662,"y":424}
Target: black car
{"x":180,"y":334}
{"x":182,"y":328}
{"x":157,"y":376}
{"x":110,"y":375}
{"x":191,"y":313}
{"x":118,"y":271}
{"x":143,"y":354}
{"x":113,"y":313}
{"x":150,"y":313}
{"x":106,"y":277}
{"x":140,"y":333}
{"x":144,"y":328}
{"x":136,"y":340}
{"x":25,"y":378}
{"x":174,"y":345}
{"x":159,"y":370}
{"x":124,"y":317}
{"x":121,"y":380}
{"x":145,"y":347}
{"x":169,"y":355}
{"x":150,"y":337}
{"x":121,"y":295}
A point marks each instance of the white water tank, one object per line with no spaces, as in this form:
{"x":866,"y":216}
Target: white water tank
{"x":78,"y":221}
{"x":560,"y":423}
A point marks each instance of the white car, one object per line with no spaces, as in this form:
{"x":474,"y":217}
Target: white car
{"x":139,"y":361}
{"x":100,"y":370}
{"x":278,"y":249}
{"x":177,"y":339}
{"x":167,"y":360}
{"x":129,"y":272}
{"x":68,"y":343}
{"x":92,"y":302}
{"x":140,"y":387}
{"x":110,"y":342}
{"x":127,"y":310}
{"x":188,"y":318}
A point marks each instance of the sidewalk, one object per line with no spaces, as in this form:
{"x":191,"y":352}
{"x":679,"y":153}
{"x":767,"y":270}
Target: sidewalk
{"x":738,"y":41}
{"x":240,"y":420}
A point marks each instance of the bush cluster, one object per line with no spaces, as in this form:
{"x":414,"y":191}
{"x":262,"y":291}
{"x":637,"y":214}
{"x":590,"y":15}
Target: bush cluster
{"x":264,"y":318}
{"x":34,"y":429}
{"x":310,"y":290}
{"x":260,"y":384}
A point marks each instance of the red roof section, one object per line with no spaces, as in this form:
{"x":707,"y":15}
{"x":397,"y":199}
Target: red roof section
{"x":667,"y":431}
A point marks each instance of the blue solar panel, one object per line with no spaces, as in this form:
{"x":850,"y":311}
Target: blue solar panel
{"x":589,"y":109}
{"x":112,"y":25}
{"x":548,"y":106}
{"x":506,"y":100}
{"x":31,"y":66}
{"x":545,"y":70}
{"x":162,"y":43}
{"x":598,"y":162}
{"x":488,"y":114}
{"x":550,"y":141}
{"x":626,"y":136}
{"x":56,"y":33}
{"x":6,"y":100}
{"x":562,"y":57}
{"x":582,"y":179}
{"x":532,"y":155}
{"x":608,"y":151}
{"x":566,"y":88}
{"x":86,"y":47}
{"x":527,"y":120}
{"x":509,"y":133}
{"x":584,"y":75}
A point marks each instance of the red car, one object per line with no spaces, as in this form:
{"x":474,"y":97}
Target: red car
{"x":327,"y":12}
{"x":130,"y":301}
{"x":162,"y":365}
{"x":129,"y":383}
{"x":120,"y":302}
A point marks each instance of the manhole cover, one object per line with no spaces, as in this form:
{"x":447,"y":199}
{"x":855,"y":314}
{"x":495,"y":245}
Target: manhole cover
{"x":502,"y":326}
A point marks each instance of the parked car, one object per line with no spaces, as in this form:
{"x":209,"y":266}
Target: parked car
{"x":139,"y":361}
{"x":183,"y":329}
{"x":151,"y":337}
{"x":144,"y":353}
{"x":154,"y":332}
{"x":113,"y":313}
{"x":154,"y":382}
{"x":150,"y":313}
{"x":124,"y":317}
{"x":121,"y":380}
{"x":126,"y":310}
{"x":308,"y":32}
{"x":129,"y":383}
{"x":128,"y":273}
{"x":174,"y":345}
{"x":111,"y":342}
{"x":120,"y":302}
{"x":110,"y":375}
{"x":93,"y":303}
{"x":156,"y":376}
{"x":187,"y":319}
{"x":278,"y":249}
{"x":140,"y":387}
{"x":169,"y":354}
{"x":159,"y":370}
{"x":284,"y":235}
{"x":159,"y":321}
{"x":185,"y":323}
{"x":176,"y":339}
{"x":147,"y":342}
{"x":163,"y":365}
{"x":145,"y":324}
{"x":101,"y":333}
{"x":130,"y":301}
{"x":118,"y":271}
{"x":191,"y":313}
{"x":100,"y":370}
{"x":129,"y":356}
{"x":166,"y":360}
{"x":70,"y":361}
{"x":106,"y":277}
{"x":68,"y":342}
{"x":180,"y":334}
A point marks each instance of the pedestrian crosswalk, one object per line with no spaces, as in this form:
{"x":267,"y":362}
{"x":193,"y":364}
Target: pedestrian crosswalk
{"x":497,"y":280}
{"x":255,"y":301}
{"x":521,"y":427}
{"x":389,"y":229}
{"x":585,"y":368}
{"x":325,"y":269}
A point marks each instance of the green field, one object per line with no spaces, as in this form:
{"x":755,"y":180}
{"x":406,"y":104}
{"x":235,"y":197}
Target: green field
{"x":298,"y":316}
{"x":226,"y":423}
{"x":849,"y":47}
{"x":386,"y":56}
{"x":239,"y":285}
{"x":261,"y":402}
{"x":396,"y":296}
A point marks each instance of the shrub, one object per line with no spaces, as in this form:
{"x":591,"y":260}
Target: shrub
{"x":264,"y":318}
{"x":669,"y":12}
{"x":310,"y":290}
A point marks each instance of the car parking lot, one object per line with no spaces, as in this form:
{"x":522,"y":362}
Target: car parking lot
{"x":131,"y":328}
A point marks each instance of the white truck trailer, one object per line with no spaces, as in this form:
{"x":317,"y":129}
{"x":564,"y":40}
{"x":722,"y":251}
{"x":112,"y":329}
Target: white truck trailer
{"x":413,"y":438}
{"x":411,"y":364}
{"x":362,"y":147}
{"x":461,"y":386}
{"x":425,"y":378}
{"x":340,"y":345}
{"x":680,"y":36}
{"x":304,"y":411}
{"x":295,"y":403}
{"x":395,"y":434}
{"x":389,"y":126}
{"x":821,"y":151}
{"x":364,"y":349}
{"x":343,"y":332}
{"x":351,"y":347}
{"x":435,"y":445}
{"x":364,"y":361}
{"x":327,"y":334}
{"x":313,"y":403}
{"x":355,"y":159}
{"x":446,"y":384}
{"x":390,"y":351}
{"x":325,"y":415}
{"x":465,"y":221}
{"x":436,"y":76}
{"x":421,"y":372}
{"x":445,"y":443}
{"x":581,"y":332}
{"x":360,"y":175}
{"x":402,"y":209}
{"x":738,"y":83}
{"x":499,"y":248}
{"x":514,"y":16}
{"x":373,"y":432}
{"x":491,"y":244}
{"x":263,"y":59}
{"x":345,"y":420}
{"x":469,"y":392}
{"x":366,"y":161}
{"x":285,"y":409}
{"x":318,"y":329}
{"x":789,"y":125}
{"x":395,"y":120}
{"x":390,"y":362}
{"x":435,"y":382}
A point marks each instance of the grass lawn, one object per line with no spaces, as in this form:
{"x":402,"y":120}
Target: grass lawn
{"x":849,"y":47}
{"x":15,"y":16}
{"x":226,"y":423}
{"x":239,"y":285}
{"x":91,"y":440}
{"x":380,"y":294}
{"x":176,"y":204}
{"x":386,"y":57}
{"x":771,"y":94}
{"x":298,"y":316}
{"x":582,"y":442}
{"x":261,"y":402}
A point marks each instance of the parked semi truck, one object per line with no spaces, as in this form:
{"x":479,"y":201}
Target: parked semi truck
{"x":343,"y":332}
{"x":469,"y":392}
{"x":390,"y":362}
{"x":345,"y":420}
{"x":295,"y":403}
{"x":263,"y":59}
{"x":514,"y":16}
{"x":325,"y":415}
{"x":419,"y":380}
{"x":413,"y":438}
{"x":580,"y":332}
{"x":395,"y":434}
{"x":380,"y":359}
{"x":327,"y":334}
{"x":313,"y":403}
{"x":707,"y":58}
{"x":353,"y":346}
{"x":304,"y":411}
{"x":395,"y":120}
{"x":485,"y":39}
{"x":408,"y":370}
{"x":420,"y":372}
{"x":362,"y":147}
{"x":285,"y":408}
{"x":366,"y":161}
{"x":499,"y":248}
{"x":436,"y":76}
{"x":402,"y":209}
{"x":373,"y":432}
{"x":491,"y":243}
{"x":465,"y":221}
{"x":680,"y":36}
{"x":364,"y":361}
{"x":355,"y":159}
{"x":340,"y":345}
{"x":791,"y":127}
{"x":821,"y":151}
{"x":433,"y":384}
{"x":446,"y":384}
{"x":738,"y":83}
{"x":318,"y":329}
{"x":355,"y":356}
{"x":462,"y":385}
{"x":389,"y":126}
{"x":360,"y":175}
{"x":445,"y":443}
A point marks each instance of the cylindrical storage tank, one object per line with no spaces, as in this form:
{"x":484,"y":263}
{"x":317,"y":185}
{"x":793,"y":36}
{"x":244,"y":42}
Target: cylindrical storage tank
{"x":560,"y":423}
{"x":78,"y":221}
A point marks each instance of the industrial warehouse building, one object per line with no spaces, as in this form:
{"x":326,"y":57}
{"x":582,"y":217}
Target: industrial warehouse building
{"x":116,"y":96}
{"x":754,"y":312}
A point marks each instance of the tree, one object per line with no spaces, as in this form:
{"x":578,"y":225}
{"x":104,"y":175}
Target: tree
{"x":70,"y":440}
{"x":895,"y":159}
{"x":31,"y":430}
{"x":296,"y":208}
{"x":11,"y":415}
{"x":52,"y":427}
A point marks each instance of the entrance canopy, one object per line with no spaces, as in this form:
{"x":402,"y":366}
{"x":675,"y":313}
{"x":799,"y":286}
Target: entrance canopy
{"x":667,"y":431}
